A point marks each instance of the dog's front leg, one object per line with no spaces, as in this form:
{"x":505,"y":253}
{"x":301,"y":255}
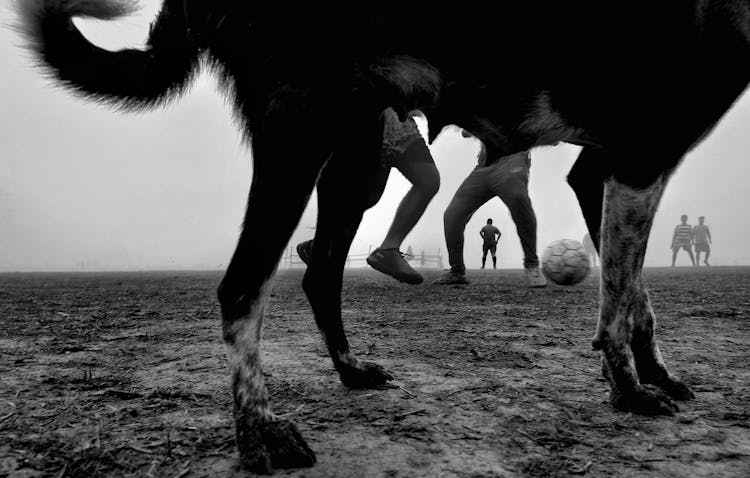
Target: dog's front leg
{"x":648,"y":360}
{"x":628,"y":216}
{"x":265,"y":441}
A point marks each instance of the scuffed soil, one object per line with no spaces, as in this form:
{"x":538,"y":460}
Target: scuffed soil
{"x":125,"y":375}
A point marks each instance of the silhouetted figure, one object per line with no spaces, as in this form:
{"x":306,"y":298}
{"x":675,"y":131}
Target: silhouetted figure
{"x":490,"y":234}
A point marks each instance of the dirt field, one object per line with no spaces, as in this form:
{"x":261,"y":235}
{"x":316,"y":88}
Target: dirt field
{"x":125,"y":375}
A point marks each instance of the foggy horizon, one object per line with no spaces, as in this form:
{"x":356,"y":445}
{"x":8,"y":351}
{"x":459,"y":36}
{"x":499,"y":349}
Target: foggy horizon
{"x":85,"y":188}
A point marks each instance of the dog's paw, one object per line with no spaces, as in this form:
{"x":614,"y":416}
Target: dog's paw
{"x":675,"y":388}
{"x":364,"y":375}
{"x":647,"y":400}
{"x":273,"y":444}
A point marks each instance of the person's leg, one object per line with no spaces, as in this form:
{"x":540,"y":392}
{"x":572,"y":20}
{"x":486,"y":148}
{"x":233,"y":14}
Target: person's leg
{"x":470,"y":196}
{"x":419,"y":168}
{"x":674,"y":254}
{"x":485,"y":249}
{"x":493,"y":250}
{"x":708,"y":253}
{"x":689,"y":250}
{"x":697,"y":256}
{"x":510,"y":182}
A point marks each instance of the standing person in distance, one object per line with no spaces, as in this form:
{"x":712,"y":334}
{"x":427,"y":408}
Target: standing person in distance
{"x":490,"y":235}
{"x":702,"y":241}
{"x":682,"y":239}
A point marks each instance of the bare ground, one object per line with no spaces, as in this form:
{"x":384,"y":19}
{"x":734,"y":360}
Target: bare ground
{"x":125,"y":375}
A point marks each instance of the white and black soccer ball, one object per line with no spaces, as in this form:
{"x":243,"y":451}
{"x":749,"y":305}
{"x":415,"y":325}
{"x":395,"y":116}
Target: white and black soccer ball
{"x":565,"y":262}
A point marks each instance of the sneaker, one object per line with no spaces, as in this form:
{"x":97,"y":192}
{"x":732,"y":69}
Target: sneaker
{"x":534,"y":278}
{"x":392,"y":262}
{"x":304,"y":251}
{"x":451,"y":277}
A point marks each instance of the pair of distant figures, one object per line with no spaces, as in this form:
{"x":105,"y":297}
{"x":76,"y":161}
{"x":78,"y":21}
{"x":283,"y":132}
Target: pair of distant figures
{"x":685,"y":237}
{"x":688,"y":237}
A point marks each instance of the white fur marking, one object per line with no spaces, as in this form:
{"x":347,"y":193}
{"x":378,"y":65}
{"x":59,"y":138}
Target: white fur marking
{"x":244,"y":355}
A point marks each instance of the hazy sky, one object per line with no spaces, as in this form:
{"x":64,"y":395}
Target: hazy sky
{"x":167,"y":189}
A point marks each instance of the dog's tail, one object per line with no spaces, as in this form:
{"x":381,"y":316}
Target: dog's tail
{"x":129,"y":79}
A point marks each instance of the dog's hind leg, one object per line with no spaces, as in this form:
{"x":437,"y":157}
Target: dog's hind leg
{"x":283,"y":178}
{"x":628,"y":216}
{"x":352,"y":181}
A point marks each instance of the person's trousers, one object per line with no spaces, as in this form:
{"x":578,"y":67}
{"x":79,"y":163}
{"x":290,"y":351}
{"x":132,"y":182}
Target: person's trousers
{"x":508,"y":179}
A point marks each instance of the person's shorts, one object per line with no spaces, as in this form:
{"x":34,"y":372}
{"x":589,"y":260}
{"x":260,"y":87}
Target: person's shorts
{"x":412,"y":150}
{"x":402,"y":141}
{"x":704,"y":247}
{"x":491,"y":247}
{"x":677,"y":247}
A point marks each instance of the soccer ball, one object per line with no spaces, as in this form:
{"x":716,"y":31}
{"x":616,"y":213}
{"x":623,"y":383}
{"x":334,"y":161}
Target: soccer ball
{"x":565,"y":262}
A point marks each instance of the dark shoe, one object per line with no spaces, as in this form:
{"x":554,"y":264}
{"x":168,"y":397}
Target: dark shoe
{"x":304,"y":251}
{"x":451,"y":277}
{"x":533,"y":277}
{"x":392,"y":263}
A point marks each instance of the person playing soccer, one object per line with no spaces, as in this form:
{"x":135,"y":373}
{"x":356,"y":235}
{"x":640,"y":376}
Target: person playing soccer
{"x":507,"y":178}
{"x":682,"y":238}
{"x":488,"y":234}
{"x":405,"y":149}
{"x":701,"y":241}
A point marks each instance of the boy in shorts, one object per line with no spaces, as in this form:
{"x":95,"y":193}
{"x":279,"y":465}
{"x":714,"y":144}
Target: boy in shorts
{"x":682,"y":239}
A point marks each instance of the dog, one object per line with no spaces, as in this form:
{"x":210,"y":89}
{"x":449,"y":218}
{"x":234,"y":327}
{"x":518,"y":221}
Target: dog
{"x":638,"y":84}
